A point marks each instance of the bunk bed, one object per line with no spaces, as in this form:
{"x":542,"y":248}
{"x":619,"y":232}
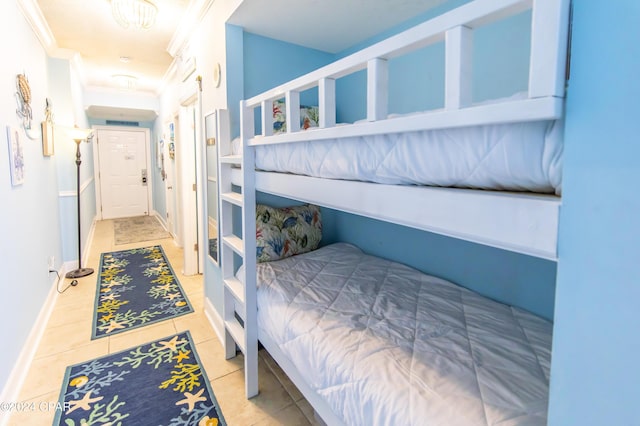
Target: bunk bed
{"x":372,"y":341}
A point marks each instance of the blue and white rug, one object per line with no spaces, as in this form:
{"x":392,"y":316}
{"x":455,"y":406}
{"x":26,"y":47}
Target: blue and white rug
{"x":136,"y":287}
{"x":158,"y":383}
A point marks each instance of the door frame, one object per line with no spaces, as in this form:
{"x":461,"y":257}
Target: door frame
{"x":169,"y":181}
{"x":96,"y":164}
{"x":188,"y":136}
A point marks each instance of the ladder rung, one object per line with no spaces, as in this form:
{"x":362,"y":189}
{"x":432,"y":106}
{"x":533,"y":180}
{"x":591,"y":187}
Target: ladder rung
{"x":235,"y":243}
{"x":236,"y":288}
{"x":231,"y":159}
{"x":237,"y":333}
{"x":232,"y":197}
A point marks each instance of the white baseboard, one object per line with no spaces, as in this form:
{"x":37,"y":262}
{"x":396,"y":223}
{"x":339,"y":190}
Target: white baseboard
{"x":161,"y":219}
{"x":214,"y":319}
{"x":89,"y":243}
{"x":12,"y":387}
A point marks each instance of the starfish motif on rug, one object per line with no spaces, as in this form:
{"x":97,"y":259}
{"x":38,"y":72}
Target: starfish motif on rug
{"x":84,"y":402}
{"x":191,"y":399}
{"x":111,"y":296}
{"x":181,"y":355}
{"x":172,"y":296}
{"x":113,"y":325}
{"x":171,"y":344}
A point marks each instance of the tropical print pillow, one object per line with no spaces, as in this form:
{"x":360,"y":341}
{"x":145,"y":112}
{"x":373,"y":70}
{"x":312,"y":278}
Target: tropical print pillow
{"x":309,"y":117}
{"x":287,"y":231}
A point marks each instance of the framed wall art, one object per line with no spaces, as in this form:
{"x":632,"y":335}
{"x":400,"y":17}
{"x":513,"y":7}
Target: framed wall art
{"x":16,"y":155}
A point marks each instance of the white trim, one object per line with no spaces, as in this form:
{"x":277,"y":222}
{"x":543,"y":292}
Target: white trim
{"x":160,"y":219}
{"x":83,"y":187}
{"x":520,"y":222}
{"x":73,"y":264}
{"x":89,"y":242}
{"x":320,"y":406}
{"x":193,"y":16}
{"x":214,"y":319}
{"x":18,"y":374}
{"x":510,"y":111}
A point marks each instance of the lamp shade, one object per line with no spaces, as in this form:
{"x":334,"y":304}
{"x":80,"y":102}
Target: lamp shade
{"x":78,"y":134}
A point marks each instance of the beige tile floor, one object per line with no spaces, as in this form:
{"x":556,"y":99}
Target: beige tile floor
{"x":67,"y":341}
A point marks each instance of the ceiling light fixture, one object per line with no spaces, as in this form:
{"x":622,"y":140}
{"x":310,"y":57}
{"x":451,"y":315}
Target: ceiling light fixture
{"x":125,"y":81}
{"x":138,"y":14}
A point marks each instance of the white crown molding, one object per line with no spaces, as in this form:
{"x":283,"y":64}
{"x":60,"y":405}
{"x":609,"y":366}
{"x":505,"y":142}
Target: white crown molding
{"x":168,"y":76}
{"x":193,"y":16}
{"x":35,"y":18}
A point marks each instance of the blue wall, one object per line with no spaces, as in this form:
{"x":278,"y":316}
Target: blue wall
{"x":508,"y":277}
{"x":30,"y":221}
{"x":264,"y":63}
{"x":501,"y":53}
{"x":595,"y":375}
{"x":416,"y":81}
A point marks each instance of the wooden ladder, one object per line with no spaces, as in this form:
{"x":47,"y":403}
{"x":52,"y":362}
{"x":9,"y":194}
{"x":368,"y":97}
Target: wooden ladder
{"x":238,"y":246}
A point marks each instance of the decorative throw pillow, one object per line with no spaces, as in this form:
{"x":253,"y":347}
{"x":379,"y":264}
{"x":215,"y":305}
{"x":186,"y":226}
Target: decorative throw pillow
{"x":287,"y":231}
{"x":309,"y":117}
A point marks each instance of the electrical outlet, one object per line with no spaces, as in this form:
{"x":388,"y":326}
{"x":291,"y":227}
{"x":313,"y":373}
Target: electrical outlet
{"x":52,"y":263}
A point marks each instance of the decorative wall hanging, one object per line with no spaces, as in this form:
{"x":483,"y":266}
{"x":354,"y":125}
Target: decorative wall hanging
{"x":217,"y":74}
{"x":47,"y":131}
{"x":16,"y":156}
{"x":23,"y":96}
{"x":172,"y":150}
{"x":159,"y":149}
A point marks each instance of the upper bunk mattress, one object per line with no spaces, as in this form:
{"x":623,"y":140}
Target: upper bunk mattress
{"x":516,"y":156}
{"x":385,"y":344}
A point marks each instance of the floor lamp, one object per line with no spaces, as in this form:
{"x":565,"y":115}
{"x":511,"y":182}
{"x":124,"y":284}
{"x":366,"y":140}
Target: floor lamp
{"x":79,"y":135}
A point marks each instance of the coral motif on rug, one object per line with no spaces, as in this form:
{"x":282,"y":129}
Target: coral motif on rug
{"x":158,"y":383}
{"x":136,"y":287}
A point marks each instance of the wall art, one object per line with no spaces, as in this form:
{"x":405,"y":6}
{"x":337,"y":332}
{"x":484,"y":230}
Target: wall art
{"x":16,"y":155}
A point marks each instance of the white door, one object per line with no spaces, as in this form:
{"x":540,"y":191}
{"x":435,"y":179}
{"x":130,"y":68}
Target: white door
{"x":123,"y":173}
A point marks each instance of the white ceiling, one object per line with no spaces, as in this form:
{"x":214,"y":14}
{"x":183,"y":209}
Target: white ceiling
{"x":327,"y":25}
{"x":87,"y":27}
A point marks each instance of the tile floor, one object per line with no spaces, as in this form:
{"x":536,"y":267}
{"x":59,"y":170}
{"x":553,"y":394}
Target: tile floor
{"x":67,"y":341}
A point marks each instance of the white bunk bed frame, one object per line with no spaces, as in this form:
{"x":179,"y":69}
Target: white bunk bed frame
{"x":525,"y":223}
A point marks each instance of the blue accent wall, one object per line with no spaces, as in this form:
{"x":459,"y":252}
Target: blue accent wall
{"x":501,"y":60}
{"x":263,"y":64}
{"x":507,"y":277}
{"x":235,"y":75}
{"x":269,"y":63}
{"x":596,"y":370}
{"x":416,"y":80}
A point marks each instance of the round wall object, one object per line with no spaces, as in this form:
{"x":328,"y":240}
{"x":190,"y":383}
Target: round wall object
{"x":217,"y":75}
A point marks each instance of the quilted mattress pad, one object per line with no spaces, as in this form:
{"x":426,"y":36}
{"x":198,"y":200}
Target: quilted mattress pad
{"x":516,"y":157}
{"x":385,"y":344}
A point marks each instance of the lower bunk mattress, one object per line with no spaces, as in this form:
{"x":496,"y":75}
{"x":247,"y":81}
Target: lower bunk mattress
{"x":515,"y":156}
{"x":384,"y":344}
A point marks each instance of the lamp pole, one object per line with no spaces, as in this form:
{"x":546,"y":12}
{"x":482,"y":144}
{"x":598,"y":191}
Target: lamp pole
{"x":80,"y":272}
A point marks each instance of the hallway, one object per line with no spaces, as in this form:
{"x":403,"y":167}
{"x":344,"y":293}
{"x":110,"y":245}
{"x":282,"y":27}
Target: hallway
{"x":67,"y":341}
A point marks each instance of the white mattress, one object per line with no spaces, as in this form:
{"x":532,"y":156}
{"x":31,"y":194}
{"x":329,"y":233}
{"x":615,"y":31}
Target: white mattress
{"x":515,"y":157}
{"x":384,"y":344}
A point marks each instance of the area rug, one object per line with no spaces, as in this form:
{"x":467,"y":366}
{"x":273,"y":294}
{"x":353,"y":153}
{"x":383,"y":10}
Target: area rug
{"x":158,"y":383}
{"x":136,"y":287}
{"x":136,"y":229}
